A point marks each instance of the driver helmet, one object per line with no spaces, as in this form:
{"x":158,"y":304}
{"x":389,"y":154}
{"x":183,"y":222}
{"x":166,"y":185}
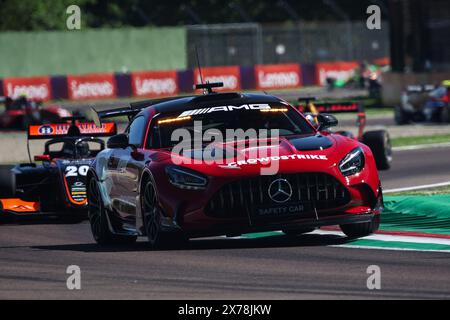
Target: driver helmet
{"x":82,"y":149}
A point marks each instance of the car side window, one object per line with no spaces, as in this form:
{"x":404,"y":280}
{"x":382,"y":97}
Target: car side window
{"x":137,"y":131}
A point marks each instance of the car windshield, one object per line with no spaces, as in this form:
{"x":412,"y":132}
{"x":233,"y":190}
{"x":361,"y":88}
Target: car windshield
{"x":282,"y":119}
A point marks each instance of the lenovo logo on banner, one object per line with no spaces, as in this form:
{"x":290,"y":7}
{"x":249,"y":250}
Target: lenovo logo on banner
{"x":97,"y":86}
{"x":339,"y":70}
{"x":154,"y":84}
{"x":281,"y":76}
{"x":230,"y":76}
{"x":35,"y":88}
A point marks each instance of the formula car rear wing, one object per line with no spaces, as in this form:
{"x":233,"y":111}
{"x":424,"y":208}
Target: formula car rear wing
{"x":420,"y":88}
{"x":307,"y":105}
{"x":50,"y":131}
{"x":330,"y":107}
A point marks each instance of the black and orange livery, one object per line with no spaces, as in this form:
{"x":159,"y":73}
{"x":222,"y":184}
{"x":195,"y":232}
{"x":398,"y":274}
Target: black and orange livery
{"x":57,"y":186}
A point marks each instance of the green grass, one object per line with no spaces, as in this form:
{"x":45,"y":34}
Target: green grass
{"x":426,"y":192}
{"x":417,"y":140}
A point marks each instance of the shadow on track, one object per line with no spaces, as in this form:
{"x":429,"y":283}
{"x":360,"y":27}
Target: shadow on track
{"x":40,"y":220}
{"x":281,"y":241}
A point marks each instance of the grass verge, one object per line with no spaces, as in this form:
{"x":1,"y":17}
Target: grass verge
{"x":417,"y":140}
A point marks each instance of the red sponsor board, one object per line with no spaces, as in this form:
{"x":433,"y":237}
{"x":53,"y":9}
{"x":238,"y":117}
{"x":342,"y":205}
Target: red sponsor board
{"x":382,"y":61}
{"x":154,"y":83}
{"x":339,"y":70}
{"x":91,"y":86}
{"x":277,"y":76}
{"x":34,"y":88}
{"x":230,"y":76}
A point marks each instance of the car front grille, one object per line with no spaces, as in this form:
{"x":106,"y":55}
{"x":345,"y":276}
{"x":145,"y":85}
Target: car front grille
{"x":318,"y":190}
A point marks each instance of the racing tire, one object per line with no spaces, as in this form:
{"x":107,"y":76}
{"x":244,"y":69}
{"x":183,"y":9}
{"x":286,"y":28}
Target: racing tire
{"x":153,"y":215}
{"x":401,"y":116}
{"x":97,"y":214}
{"x":445,"y":114}
{"x":358,"y":230}
{"x":7,"y":185}
{"x":380,"y":144}
{"x":297,"y":232}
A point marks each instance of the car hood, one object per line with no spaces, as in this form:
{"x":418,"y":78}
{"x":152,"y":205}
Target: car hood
{"x":317,"y":152}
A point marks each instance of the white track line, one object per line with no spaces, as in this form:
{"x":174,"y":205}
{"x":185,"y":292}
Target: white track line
{"x":385,"y":248}
{"x":421,"y":187}
{"x":396,"y":238}
{"x":422,"y":146}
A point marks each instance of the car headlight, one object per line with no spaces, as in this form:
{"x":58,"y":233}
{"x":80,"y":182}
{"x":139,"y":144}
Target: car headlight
{"x":186,"y":179}
{"x":353,"y":162}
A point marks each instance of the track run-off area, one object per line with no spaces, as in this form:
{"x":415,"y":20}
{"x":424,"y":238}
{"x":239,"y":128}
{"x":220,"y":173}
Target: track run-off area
{"x":412,"y":251}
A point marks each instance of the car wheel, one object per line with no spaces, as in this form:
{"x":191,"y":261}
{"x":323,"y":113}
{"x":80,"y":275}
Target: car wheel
{"x":380,"y":144}
{"x":358,"y":230}
{"x":7,"y":186}
{"x":297,"y":232}
{"x":153,"y":214}
{"x":98,"y":220}
{"x":401,"y":116}
{"x":445,"y":114}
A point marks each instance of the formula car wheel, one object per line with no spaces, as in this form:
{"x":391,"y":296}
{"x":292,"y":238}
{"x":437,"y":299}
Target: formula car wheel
{"x":7,"y":185}
{"x":401,"y":116}
{"x":297,"y":232}
{"x":445,"y":115}
{"x":153,"y":215}
{"x":357,"y":230}
{"x":380,"y":144}
{"x":98,"y":219}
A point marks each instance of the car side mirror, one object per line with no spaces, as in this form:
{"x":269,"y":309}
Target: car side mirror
{"x":326,"y":121}
{"x":119,"y":141}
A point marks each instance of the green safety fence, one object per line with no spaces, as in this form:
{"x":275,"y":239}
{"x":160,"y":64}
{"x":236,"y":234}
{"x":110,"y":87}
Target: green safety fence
{"x":90,"y":51}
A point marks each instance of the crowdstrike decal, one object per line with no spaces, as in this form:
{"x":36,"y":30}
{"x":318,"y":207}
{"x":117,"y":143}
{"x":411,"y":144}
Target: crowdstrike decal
{"x":266,"y":160}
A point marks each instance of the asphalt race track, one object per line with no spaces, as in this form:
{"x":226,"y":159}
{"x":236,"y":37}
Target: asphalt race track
{"x":417,"y":167}
{"x":34,"y":257}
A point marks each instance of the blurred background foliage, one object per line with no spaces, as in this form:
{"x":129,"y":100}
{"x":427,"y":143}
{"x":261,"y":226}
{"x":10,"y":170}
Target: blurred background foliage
{"x":51,"y":14}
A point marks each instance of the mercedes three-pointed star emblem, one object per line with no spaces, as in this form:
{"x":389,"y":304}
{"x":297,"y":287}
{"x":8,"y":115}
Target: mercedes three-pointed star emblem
{"x":280,"y":190}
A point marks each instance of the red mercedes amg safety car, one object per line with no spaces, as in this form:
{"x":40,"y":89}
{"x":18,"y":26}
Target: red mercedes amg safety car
{"x":172,"y":175}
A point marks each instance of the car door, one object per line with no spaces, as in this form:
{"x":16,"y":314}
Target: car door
{"x":129,"y":165}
